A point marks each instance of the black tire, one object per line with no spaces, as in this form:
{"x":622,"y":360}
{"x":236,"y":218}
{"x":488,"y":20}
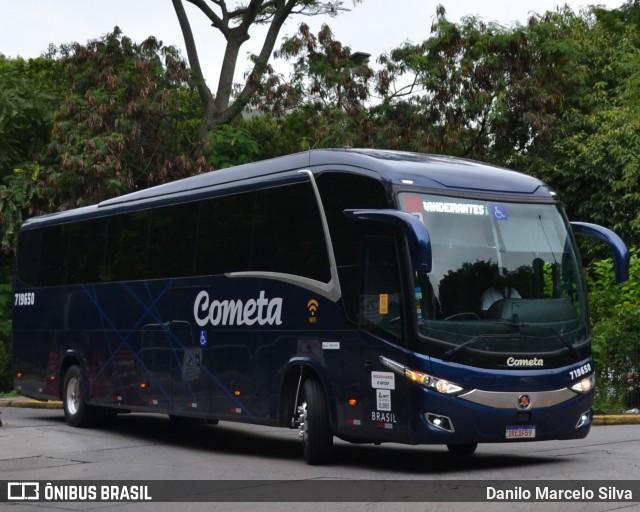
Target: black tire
{"x":76,"y":410}
{"x":462,"y":449}
{"x":317,"y":439}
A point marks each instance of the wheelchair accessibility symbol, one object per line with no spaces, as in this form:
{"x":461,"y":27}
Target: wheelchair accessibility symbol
{"x":499,"y":212}
{"x":204,"y":338}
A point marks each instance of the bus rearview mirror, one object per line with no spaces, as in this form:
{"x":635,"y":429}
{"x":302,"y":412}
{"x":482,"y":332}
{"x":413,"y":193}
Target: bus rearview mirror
{"x":619,"y":251}
{"x":412,"y":228}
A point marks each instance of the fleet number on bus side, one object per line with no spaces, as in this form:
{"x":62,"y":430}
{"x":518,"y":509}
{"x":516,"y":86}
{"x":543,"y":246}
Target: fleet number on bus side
{"x":24,"y":299}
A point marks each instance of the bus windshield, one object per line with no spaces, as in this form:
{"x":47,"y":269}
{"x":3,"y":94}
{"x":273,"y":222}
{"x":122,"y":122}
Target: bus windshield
{"x":505,"y":279}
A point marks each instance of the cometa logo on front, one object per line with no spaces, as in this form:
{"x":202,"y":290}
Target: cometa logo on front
{"x":512,"y":361}
{"x":262,"y":311}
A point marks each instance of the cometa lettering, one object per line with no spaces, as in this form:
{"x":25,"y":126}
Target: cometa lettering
{"x":512,"y":361}
{"x":262,"y":311}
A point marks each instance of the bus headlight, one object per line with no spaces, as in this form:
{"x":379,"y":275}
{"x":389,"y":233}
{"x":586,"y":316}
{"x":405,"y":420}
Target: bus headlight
{"x":585,"y":385}
{"x":442,"y":386}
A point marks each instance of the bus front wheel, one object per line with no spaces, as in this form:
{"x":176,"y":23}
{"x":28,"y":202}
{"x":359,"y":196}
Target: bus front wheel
{"x":76,"y":410}
{"x":315,"y":429}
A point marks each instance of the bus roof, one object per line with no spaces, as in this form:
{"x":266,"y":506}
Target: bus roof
{"x":435,"y":172}
{"x":396,"y":167}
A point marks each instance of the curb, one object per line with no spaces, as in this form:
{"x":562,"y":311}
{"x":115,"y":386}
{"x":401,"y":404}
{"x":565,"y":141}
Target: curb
{"x":598,"y":419}
{"x":29,"y":404}
{"x":616,"y":419}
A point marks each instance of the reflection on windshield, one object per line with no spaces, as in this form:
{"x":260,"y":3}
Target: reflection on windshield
{"x":504,"y":273}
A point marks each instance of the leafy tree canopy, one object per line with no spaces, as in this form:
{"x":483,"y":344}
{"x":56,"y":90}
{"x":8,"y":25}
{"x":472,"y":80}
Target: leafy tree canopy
{"x":126,"y":118}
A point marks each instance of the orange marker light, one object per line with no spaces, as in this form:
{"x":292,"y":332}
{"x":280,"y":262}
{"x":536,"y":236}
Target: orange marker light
{"x":19,"y":375}
{"x":236,"y":393}
{"x":352,"y":402}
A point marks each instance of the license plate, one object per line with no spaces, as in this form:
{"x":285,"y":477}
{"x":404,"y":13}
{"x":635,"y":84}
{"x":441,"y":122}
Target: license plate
{"x":521,"y":432}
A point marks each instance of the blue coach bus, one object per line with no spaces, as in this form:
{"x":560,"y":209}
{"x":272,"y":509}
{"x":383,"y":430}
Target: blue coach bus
{"x":376,"y":296}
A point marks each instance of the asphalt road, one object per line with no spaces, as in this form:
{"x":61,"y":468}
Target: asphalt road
{"x":37,"y":444}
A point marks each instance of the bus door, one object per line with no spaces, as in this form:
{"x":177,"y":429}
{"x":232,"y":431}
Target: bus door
{"x":382,"y":316}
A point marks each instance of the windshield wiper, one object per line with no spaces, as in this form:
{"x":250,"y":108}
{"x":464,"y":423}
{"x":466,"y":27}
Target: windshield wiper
{"x":574,"y":352}
{"x":450,"y":353}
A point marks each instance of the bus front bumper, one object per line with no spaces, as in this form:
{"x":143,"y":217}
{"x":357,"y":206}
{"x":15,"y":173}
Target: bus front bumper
{"x":501,"y":417}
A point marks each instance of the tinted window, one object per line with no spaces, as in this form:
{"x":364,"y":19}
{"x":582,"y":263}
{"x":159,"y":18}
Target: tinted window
{"x":172,"y":241}
{"x":126,"y":257}
{"x":54,"y":252}
{"x":224,"y":234}
{"x":276,"y":230}
{"x":341,"y":191}
{"x":85,"y":254}
{"x":381,"y":299}
{"x":29,"y":249}
{"x":288,"y":235}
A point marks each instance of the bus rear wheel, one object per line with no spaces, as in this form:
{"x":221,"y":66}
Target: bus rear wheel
{"x":76,"y":410}
{"x":315,"y":428}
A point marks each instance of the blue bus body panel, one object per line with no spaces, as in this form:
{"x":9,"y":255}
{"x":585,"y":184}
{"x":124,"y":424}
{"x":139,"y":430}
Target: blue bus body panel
{"x":144,"y":347}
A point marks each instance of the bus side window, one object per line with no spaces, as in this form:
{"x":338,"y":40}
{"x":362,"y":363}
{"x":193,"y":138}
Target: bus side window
{"x":380,"y":298}
{"x":341,"y":191}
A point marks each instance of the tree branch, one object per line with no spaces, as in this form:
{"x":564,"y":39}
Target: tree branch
{"x":281,"y":14}
{"x":194,"y":62}
{"x":222,"y":24}
{"x":235,"y":25}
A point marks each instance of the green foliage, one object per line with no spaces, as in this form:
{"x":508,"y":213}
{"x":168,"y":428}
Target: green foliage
{"x":273,"y":141}
{"x":471,"y":89}
{"x":123,"y":117}
{"x":592,"y":158}
{"x":118,"y":126}
{"x":30,"y":92}
{"x":28,"y":97}
{"x":17,"y":196}
{"x":6,"y":381}
{"x":615,"y":312}
{"x":230,"y":145}
{"x":323,"y":102}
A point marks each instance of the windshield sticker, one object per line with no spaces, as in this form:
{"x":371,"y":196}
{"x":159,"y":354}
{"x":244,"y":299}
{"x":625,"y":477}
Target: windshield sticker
{"x":418,"y":294}
{"x":457,"y":208}
{"x":384,"y":304}
{"x":499,"y":212}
